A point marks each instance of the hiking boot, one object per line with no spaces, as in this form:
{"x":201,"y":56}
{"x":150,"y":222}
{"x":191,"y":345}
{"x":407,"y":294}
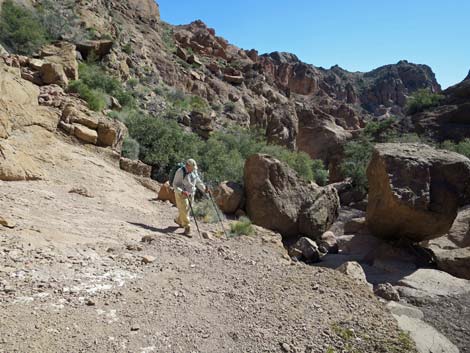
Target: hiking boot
{"x":177,"y":222}
{"x":187,"y":232}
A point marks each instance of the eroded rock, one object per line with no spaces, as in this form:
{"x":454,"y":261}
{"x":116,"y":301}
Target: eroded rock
{"x":415,"y":191}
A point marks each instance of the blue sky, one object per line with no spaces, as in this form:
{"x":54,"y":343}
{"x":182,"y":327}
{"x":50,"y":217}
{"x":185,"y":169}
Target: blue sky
{"x":358,"y":35}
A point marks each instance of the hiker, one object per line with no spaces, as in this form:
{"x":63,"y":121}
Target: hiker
{"x":185,"y":181}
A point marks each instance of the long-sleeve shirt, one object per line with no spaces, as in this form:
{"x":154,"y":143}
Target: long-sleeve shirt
{"x":187,"y":182}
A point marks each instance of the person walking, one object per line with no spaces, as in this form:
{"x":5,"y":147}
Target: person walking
{"x":185,"y":182}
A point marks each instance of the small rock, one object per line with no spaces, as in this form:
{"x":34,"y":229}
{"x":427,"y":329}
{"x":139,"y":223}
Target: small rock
{"x":206,"y":235}
{"x":9,"y":289}
{"x":134,"y":247}
{"x":386,"y":291}
{"x":90,"y":302}
{"x":147,"y":259}
{"x":81,"y":191}
{"x":285,"y":347}
{"x":308,"y":248}
{"x":329,"y":243}
{"x":7,"y":222}
{"x":147,"y":238}
{"x":355,"y":271}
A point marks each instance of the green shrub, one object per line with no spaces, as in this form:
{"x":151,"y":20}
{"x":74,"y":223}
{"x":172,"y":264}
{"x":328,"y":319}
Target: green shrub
{"x":21,"y":30}
{"x":462,"y":147}
{"x":132,"y":83}
{"x":229,"y":107}
{"x":130,"y":148}
{"x":320,"y":174}
{"x":306,"y":168}
{"x":162,"y":142}
{"x":421,"y":100}
{"x":204,"y":210}
{"x":167,"y":37}
{"x":198,"y":104}
{"x":216,"y":107}
{"x":125,"y":115}
{"x":242,"y":227}
{"x":357,"y":155}
{"x":96,"y":99}
{"x":220,"y":163}
{"x":127,"y":48}
{"x":95,"y":83}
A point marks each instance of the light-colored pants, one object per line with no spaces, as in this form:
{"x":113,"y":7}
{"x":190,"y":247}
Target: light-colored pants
{"x":183,"y":207}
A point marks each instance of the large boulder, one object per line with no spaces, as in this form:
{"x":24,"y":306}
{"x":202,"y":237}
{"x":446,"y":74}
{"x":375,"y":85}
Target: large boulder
{"x":53,"y":74}
{"x":228,"y":196}
{"x":415,"y":191}
{"x":277,"y":199}
{"x":62,"y":53}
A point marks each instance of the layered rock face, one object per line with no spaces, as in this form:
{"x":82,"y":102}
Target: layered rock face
{"x":415,"y":191}
{"x":277,"y":199}
{"x":20,"y":117}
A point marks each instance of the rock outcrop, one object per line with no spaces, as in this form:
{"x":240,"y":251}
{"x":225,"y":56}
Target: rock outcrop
{"x":277,"y":199}
{"x":450,"y":120}
{"x":415,"y":191}
{"x":135,"y":167}
{"x":21,"y":117}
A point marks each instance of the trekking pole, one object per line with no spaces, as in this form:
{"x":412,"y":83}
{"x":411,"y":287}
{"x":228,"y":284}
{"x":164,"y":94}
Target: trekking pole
{"x":194,"y":216}
{"x":217,"y":212}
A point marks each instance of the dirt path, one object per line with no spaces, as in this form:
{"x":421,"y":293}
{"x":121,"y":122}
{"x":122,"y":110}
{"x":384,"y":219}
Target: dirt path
{"x":74,"y":277}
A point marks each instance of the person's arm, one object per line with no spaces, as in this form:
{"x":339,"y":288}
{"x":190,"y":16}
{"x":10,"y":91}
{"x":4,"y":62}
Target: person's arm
{"x":178,"y":181}
{"x":200,"y":185}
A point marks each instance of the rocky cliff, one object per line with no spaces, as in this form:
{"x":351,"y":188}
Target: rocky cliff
{"x":297,"y":104}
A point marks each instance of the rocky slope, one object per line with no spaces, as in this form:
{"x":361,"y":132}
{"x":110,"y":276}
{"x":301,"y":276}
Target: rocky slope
{"x":91,"y":262}
{"x":297,"y":104}
{"x":448,"y":121}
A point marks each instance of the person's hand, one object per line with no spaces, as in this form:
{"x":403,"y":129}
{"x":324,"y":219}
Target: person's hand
{"x":185,"y":194}
{"x":208,"y":191}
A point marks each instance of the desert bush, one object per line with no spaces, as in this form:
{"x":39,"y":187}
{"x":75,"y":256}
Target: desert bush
{"x":130,"y":148}
{"x":306,"y":168}
{"x":220,"y":162}
{"x":96,"y":99}
{"x":242,"y":227}
{"x":421,"y":100}
{"x":462,"y":147}
{"x":204,"y":210}
{"x":127,"y":48}
{"x":21,"y":30}
{"x":162,"y":142}
{"x":95,"y":83}
{"x":229,"y":107}
{"x":167,"y":37}
{"x":357,"y":155}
